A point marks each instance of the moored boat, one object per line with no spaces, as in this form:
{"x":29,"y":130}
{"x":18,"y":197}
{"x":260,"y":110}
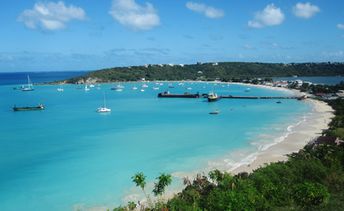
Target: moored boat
{"x":29,"y":108}
{"x":29,"y":86}
{"x":103,"y":109}
{"x":185,"y":95}
{"x":212,"y":97}
{"x":215,"y":112}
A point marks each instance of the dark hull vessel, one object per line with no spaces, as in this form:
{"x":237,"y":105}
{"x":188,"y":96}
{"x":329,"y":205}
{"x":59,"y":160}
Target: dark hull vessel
{"x":29,"y":108}
{"x":185,"y":95}
{"x":212,"y":97}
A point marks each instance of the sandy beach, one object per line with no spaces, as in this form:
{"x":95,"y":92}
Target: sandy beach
{"x":302,"y":133}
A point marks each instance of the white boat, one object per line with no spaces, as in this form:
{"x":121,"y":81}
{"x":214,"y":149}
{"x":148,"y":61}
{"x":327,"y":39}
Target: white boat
{"x":144,"y":86}
{"x":29,"y":86}
{"x":134,"y":88}
{"x":189,"y":88}
{"x":156,"y":88}
{"x":86,"y":88}
{"x":60,"y":89}
{"x":119,"y":86}
{"x":91,"y":86}
{"x":103,"y":109}
{"x":142,"y":90}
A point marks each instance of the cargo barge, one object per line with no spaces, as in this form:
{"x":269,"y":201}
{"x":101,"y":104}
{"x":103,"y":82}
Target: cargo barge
{"x":185,"y":95}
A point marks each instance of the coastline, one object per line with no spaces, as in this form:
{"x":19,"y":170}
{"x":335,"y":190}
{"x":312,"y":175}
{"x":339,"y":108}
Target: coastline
{"x":301,"y":133}
{"x":297,"y":136}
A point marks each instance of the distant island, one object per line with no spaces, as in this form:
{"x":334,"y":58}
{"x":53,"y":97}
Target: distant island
{"x":223,"y":71}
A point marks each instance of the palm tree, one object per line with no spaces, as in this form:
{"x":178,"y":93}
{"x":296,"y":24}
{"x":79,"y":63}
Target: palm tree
{"x":164,"y":180}
{"x":140,"y":180}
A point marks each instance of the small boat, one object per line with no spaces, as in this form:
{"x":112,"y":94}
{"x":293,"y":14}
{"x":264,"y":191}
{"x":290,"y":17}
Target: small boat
{"x":134,"y":88}
{"x":189,"y":88}
{"x":117,"y":88}
{"x":60,"y":89}
{"x":278,"y":102}
{"x":86,"y":88}
{"x":29,"y":86}
{"x":144,"y":86}
{"x":103,"y":109}
{"x":170,"y":86}
{"x":215,"y":112}
{"x":212,"y":97}
{"x":29,"y":108}
{"x":156,"y":88}
{"x":142,"y":90}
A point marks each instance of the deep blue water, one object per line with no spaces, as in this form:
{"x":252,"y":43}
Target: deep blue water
{"x":68,"y":156}
{"x":36,"y":77}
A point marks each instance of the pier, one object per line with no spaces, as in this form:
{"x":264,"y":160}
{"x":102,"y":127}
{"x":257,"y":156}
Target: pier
{"x":187,"y":95}
{"x":261,"y":97}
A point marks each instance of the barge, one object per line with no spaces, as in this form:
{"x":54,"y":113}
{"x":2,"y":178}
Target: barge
{"x":29,"y":108}
{"x":185,"y":95}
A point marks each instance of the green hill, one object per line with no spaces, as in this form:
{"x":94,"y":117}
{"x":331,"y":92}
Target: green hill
{"x":225,"y":71}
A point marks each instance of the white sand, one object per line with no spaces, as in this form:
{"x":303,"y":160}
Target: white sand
{"x":311,"y":128}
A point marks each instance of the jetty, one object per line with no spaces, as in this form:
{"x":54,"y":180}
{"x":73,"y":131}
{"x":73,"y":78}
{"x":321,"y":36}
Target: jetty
{"x":262,"y":97}
{"x":197,"y":95}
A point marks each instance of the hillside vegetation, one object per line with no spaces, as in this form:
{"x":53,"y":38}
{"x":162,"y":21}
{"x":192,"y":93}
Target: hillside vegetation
{"x":225,"y":71}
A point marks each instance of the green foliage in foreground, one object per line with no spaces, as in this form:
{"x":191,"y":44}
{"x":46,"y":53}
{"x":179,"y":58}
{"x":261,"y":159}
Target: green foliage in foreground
{"x":337,"y":124}
{"x":225,"y":71}
{"x":305,"y":182}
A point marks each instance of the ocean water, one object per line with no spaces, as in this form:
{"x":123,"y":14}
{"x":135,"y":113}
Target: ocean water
{"x":69,"y":156}
{"x":37,"y":77}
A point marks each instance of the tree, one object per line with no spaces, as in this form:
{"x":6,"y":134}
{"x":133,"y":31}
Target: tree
{"x":308,"y":195}
{"x":140,"y":180}
{"x":131,"y":205}
{"x":164,"y":180}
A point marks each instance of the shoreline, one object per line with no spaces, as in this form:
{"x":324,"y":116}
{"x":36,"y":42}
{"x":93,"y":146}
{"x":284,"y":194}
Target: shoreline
{"x":300,"y":135}
{"x":303,"y":130}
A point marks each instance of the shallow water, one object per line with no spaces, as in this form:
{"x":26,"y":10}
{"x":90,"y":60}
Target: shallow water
{"x":69,"y":156}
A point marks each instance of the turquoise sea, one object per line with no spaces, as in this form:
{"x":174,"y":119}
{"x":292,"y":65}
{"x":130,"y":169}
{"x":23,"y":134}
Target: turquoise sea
{"x":69,"y":156}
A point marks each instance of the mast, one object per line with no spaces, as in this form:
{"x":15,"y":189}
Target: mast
{"x":104,"y":100}
{"x":29,"y":83}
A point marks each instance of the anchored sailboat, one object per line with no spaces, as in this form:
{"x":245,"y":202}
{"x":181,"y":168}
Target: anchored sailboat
{"x":29,"y":86}
{"x":103,"y":109}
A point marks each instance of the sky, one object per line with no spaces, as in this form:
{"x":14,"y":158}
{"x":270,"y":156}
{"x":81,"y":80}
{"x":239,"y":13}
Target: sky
{"x":65,"y":35}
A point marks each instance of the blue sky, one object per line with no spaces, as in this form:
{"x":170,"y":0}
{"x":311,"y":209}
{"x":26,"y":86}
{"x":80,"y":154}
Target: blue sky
{"x":89,"y":34}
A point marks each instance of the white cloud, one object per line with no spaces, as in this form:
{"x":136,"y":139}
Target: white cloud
{"x":208,"y":11}
{"x":270,"y":16}
{"x":305,"y":10}
{"x":50,"y":15}
{"x":133,"y":15}
{"x":340,"y":26}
